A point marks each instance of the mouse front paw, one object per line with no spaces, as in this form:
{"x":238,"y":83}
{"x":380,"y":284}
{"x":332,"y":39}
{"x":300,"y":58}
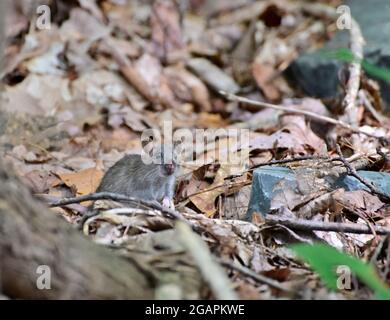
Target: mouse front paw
{"x":168,"y":203}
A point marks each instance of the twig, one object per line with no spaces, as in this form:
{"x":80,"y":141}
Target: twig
{"x":310,"y":225}
{"x":352,"y":172}
{"x":130,"y":211}
{"x":250,"y":273}
{"x":356,"y":46}
{"x":233,"y":97}
{"x":378,"y":249}
{"x":211,"y":271}
{"x":118,"y":197}
{"x":368,"y":105}
{"x":385,"y":156}
{"x":282,"y":161}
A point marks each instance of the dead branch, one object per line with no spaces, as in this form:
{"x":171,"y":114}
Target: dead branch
{"x":233,"y":97}
{"x":118,"y":197}
{"x":310,"y":225}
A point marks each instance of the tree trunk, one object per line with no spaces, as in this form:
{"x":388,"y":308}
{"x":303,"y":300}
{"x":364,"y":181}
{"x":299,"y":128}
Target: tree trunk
{"x":32,"y":236}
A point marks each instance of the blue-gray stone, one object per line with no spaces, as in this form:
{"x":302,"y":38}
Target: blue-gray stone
{"x":317,"y":75}
{"x":264,"y":181}
{"x":380,"y":180}
{"x":268,"y":181}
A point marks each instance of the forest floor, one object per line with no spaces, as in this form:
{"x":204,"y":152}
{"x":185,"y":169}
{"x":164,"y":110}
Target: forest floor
{"x":79,"y":94}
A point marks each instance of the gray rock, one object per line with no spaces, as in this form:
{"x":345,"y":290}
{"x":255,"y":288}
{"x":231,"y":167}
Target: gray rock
{"x":379,"y":179}
{"x":264,"y":181}
{"x":317,"y":76}
{"x":266,"y":184}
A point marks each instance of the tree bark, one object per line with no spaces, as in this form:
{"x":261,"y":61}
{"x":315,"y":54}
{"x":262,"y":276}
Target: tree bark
{"x":33,"y":236}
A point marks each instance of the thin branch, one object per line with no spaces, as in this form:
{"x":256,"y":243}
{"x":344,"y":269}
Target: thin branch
{"x":211,"y":271}
{"x":368,"y":105}
{"x":118,"y":197}
{"x":250,"y":273}
{"x":352,"y":172}
{"x":310,"y":225}
{"x":233,"y":97}
{"x":131,"y":211}
{"x":385,"y":156}
{"x":283,"y":161}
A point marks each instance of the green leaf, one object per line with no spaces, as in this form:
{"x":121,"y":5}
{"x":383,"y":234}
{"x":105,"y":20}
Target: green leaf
{"x":346,"y":55}
{"x":325,"y":260}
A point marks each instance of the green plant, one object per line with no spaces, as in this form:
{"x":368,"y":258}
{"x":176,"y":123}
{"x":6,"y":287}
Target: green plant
{"x":325,"y":259}
{"x":346,"y":55}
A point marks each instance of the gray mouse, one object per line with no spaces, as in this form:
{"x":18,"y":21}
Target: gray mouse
{"x":152,"y":180}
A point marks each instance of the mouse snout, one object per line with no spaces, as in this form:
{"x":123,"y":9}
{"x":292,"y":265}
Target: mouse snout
{"x":169,"y":168}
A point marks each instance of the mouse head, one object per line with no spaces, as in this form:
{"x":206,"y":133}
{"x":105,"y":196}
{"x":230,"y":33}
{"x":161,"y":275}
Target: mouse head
{"x":165,"y":158}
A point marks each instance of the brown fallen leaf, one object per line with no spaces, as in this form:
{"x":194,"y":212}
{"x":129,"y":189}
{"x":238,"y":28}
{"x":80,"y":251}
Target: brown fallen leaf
{"x":295,"y":136}
{"x":263,"y":74}
{"x":188,"y":87}
{"x":360,"y":201}
{"x":167,"y":38}
{"x":205,"y":200}
{"x":84,"y":182}
{"x":39,"y":181}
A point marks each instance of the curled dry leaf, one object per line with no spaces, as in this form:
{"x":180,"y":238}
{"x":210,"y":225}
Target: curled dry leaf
{"x":295,"y":136}
{"x":205,"y":200}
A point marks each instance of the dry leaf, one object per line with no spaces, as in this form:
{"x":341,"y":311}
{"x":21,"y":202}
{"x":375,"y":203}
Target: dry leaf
{"x":263,"y":74}
{"x":167,"y":37}
{"x":84,"y":182}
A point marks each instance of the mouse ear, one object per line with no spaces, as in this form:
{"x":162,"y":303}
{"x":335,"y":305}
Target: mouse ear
{"x":146,"y":141}
{"x":150,"y":139}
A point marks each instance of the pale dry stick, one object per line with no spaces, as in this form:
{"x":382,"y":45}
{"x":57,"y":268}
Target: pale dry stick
{"x":131,"y":211}
{"x":355,"y":68}
{"x":233,"y":97}
{"x":310,"y":225}
{"x":211,"y":271}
